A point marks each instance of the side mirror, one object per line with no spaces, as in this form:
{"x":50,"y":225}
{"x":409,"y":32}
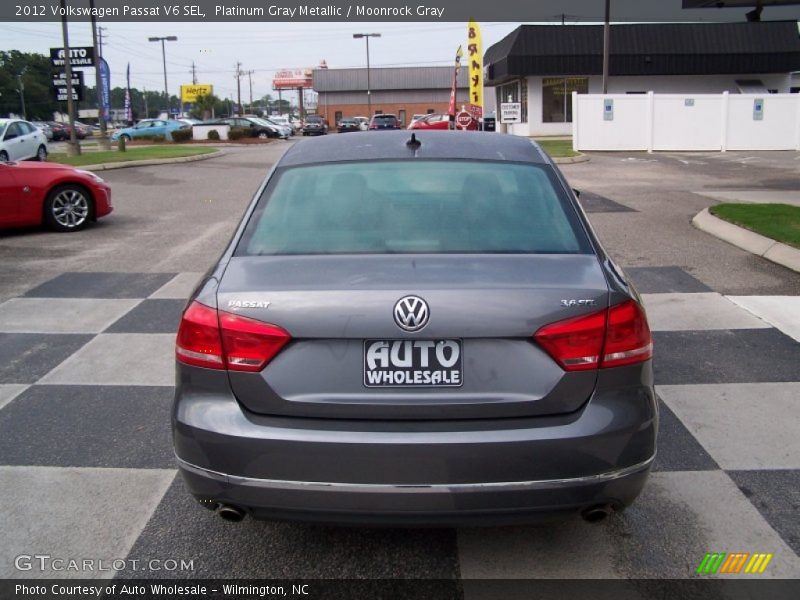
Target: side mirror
{"x":577,"y":193}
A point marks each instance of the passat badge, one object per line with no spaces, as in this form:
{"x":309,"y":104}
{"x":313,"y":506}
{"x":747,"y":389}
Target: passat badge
{"x":248,"y":304}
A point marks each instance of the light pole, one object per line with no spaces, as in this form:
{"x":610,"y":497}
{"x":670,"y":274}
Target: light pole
{"x":168,"y":38}
{"x":366,"y":36}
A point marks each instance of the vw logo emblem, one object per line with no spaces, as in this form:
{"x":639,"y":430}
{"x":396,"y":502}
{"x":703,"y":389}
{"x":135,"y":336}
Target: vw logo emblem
{"x":411,"y":313}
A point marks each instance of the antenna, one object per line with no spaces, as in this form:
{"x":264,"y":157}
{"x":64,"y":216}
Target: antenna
{"x":413,"y":143}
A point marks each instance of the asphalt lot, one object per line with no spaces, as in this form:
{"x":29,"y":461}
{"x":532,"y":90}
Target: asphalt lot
{"x":86,"y":332}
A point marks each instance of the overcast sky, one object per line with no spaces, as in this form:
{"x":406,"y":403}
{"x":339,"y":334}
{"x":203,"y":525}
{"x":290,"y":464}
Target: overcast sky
{"x":261,"y":47}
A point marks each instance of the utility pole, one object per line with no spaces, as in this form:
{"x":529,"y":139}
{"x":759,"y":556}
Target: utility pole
{"x":104,"y":143}
{"x":194,"y":74}
{"x":168,"y":38}
{"x":250,"y":80}
{"x":22,"y":96}
{"x":239,"y":87}
{"x":73,"y":148}
{"x":606,"y":45}
{"x":100,"y":34}
{"x":144,"y":97}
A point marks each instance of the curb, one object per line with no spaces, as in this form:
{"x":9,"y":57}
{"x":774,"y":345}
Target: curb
{"x":149,"y":162}
{"x":569,"y":160}
{"x":752,"y":242}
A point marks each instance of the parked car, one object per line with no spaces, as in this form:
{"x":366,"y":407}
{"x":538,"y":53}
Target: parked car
{"x":386,"y":344}
{"x":297,"y":124}
{"x":61,"y":131}
{"x":189,"y":122}
{"x":432,"y":121}
{"x":439,"y":121}
{"x":21,"y":140}
{"x":148,"y":128}
{"x":62,"y":198}
{"x":45,"y":128}
{"x":347,"y":125}
{"x":86,"y":129}
{"x":258,"y":127}
{"x":285,"y":128}
{"x":282,"y":120}
{"x":416,"y":117}
{"x":363,"y":123}
{"x":315,"y":125}
{"x":384,"y":121}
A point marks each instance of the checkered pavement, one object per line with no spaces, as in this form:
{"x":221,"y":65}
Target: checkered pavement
{"x":86,"y":465}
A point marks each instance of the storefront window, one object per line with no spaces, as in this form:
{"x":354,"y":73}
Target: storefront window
{"x":557,"y":97}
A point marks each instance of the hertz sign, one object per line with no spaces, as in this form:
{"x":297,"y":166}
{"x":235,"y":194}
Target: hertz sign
{"x":189,"y":93}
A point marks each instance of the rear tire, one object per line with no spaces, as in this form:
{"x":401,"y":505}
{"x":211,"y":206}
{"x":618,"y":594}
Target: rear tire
{"x":263,"y":135}
{"x":3,"y":156}
{"x":68,"y":208}
{"x":125,"y":137}
{"x":41,"y":153}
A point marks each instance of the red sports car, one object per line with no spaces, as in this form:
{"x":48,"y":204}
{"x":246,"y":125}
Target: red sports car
{"x":437,"y":121}
{"x":61,"y":197}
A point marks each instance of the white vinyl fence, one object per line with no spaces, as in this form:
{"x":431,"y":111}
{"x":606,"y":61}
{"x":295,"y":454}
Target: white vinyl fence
{"x":715,"y":122}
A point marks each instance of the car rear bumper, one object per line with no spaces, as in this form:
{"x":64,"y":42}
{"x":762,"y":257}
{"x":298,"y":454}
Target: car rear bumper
{"x":417,"y":473}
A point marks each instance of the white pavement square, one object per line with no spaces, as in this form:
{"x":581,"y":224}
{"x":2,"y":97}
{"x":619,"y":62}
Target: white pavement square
{"x":9,"y":391}
{"x":61,"y":315}
{"x":693,"y":312}
{"x":72,"y":513}
{"x":179,"y":287}
{"x":705,"y":511}
{"x":781,"y":311}
{"x":119,"y":359}
{"x":741,"y":425}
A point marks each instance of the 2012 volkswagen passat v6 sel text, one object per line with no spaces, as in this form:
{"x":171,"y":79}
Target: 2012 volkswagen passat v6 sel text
{"x":414,"y":330}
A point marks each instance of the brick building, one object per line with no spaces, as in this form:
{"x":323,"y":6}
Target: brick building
{"x":402,"y":91}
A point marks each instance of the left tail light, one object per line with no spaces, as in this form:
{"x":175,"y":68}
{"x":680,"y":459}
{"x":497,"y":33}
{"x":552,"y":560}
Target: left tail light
{"x":220,"y":340}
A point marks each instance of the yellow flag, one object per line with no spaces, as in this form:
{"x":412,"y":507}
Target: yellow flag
{"x":475,"y":56}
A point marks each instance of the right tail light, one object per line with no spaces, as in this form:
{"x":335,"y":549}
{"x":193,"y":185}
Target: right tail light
{"x":614,"y":337}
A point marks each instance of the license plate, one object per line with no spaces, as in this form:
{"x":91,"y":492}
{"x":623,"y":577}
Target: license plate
{"x":413,"y":363}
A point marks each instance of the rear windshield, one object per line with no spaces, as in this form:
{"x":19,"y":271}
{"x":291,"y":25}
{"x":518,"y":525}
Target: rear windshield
{"x":413,"y":206}
{"x":384,"y":120}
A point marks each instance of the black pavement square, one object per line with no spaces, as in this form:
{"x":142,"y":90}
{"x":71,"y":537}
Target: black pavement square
{"x":678,"y":450}
{"x":150,"y":316}
{"x":726,"y":356}
{"x":776,"y":495}
{"x":26,"y":357}
{"x":101,"y":285}
{"x":88,"y":426}
{"x":266,"y":549}
{"x":595,"y":203}
{"x":662,"y":280}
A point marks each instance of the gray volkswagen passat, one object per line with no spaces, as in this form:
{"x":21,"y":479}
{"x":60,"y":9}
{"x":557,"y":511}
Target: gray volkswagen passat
{"x":414,"y":330}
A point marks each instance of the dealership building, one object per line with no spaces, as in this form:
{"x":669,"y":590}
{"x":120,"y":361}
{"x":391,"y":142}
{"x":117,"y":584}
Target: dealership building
{"x":540,"y":66}
{"x":402,"y":91}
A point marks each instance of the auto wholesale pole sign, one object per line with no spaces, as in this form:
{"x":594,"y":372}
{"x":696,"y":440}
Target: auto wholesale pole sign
{"x":78,"y":57}
{"x":59,"y":86}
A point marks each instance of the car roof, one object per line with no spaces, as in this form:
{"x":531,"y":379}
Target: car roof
{"x":387,"y":145}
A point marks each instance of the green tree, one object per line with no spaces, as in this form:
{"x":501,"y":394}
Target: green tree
{"x":36,"y":74}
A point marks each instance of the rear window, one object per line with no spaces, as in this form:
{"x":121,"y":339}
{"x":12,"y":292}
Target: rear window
{"x":385,"y":120}
{"x":420,"y":206}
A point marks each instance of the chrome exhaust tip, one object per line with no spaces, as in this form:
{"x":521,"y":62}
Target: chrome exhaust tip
{"x":230,"y":513}
{"x":595,"y":514}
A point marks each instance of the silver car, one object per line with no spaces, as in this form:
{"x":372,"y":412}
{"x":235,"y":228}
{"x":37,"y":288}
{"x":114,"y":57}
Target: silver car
{"x":419,"y":330}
